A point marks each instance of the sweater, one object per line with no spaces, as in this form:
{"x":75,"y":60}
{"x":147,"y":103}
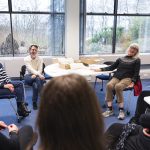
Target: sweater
{"x":127,"y":67}
{"x":34,"y":66}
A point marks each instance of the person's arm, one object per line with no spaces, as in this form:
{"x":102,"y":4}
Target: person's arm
{"x":111,"y":67}
{"x":136,"y":70}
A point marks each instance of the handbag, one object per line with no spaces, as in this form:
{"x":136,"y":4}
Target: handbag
{"x":137,"y":88}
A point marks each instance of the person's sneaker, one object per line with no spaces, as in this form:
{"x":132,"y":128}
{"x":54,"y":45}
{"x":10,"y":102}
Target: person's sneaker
{"x":121,"y":115}
{"x":108,"y":113}
{"x":35,"y":107}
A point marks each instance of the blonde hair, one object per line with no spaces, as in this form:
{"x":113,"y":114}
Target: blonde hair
{"x":134,"y":46}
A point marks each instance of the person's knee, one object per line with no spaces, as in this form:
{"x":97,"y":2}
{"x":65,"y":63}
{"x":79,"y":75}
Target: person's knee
{"x":109,"y":86}
{"x":118,"y":87}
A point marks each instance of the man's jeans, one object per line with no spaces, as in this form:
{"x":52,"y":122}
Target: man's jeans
{"x":18,"y":91}
{"x":36,"y":84}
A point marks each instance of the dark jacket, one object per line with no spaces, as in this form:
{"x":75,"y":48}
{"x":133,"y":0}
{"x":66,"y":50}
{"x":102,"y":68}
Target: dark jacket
{"x":127,"y":67}
{"x":135,"y":141}
{"x":9,"y":144}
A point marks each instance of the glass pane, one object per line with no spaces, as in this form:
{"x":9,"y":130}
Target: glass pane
{"x":38,"y":5}
{"x":100,"y":6}
{"x":3,"y":5}
{"x":5,"y":38}
{"x":133,"y":6}
{"x":133,"y":29}
{"x":98,"y":35}
{"x":41,"y":30}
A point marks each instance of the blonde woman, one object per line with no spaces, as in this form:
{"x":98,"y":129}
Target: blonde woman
{"x":127,"y":73}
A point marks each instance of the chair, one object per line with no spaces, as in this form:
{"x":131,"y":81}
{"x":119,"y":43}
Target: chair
{"x":10,"y":97}
{"x":103,"y":77}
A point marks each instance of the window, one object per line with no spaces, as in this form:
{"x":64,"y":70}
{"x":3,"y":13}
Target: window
{"x":110,"y":26}
{"x":32,"y":22}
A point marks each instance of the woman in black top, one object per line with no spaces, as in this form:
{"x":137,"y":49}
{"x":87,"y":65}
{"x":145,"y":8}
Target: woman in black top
{"x":129,"y":136}
{"x":127,"y":73}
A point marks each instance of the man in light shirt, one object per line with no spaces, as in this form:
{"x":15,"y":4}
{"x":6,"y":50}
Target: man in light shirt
{"x":34,"y":76}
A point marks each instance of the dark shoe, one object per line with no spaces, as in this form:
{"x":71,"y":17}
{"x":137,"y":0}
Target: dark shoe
{"x":35,"y":106}
{"x":23,"y":111}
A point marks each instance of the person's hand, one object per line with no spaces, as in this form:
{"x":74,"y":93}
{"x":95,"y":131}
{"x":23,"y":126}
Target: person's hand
{"x":131,"y":84}
{"x":33,"y":76}
{"x":2,"y":125}
{"x":41,"y":77}
{"x":9,"y":86}
{"x":13,"y":128}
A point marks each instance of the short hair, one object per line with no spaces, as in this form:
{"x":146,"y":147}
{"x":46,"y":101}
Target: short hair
{"x":69,"y":115}
{"x":135,"y":46}
{"x":36,"y":46}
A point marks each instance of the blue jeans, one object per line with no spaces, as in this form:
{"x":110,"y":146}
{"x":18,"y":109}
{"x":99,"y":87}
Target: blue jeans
{"x":18,"y":91}
{"x":36,"y":84}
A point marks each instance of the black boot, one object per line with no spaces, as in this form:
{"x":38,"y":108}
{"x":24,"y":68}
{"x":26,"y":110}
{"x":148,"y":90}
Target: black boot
{"x":22,"y":110}
{"x":35,"y":107}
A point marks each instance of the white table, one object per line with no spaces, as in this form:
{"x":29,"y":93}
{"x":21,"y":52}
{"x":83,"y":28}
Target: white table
{"x":147,"y":99}
{"x":54,"y":70}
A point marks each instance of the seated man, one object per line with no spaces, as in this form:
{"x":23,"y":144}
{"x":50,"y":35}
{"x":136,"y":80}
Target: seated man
{"x":16,"y":87}
{"x":141,"y":107}
{"x":34,"y":77}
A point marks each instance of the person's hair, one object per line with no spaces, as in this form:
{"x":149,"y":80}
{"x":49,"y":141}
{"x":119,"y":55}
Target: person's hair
{"x":136,"y":47}
{"x":36,"y":46}
{"x":69,"y":115}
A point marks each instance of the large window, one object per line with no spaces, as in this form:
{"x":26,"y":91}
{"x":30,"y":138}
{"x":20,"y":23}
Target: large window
{"x":26,"y":22}
{"x":109,"y":26}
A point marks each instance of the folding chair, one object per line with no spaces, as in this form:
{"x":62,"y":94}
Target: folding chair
{"x":10,"y":97}
{"x":103,"y":77}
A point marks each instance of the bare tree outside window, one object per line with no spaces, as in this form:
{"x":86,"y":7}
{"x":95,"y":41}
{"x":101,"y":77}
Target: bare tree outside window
{"x":111,"y":27}
{"x":35,"y":22}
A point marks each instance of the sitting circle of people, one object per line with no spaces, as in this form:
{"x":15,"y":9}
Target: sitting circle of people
{"x":70,"y":116}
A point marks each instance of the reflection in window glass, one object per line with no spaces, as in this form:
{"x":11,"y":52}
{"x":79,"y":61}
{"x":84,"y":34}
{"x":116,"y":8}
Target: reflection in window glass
{"x":37,"y":5}
{"x":133,"y":29}
{"x":5,"y":38}
{"x":133,"y":6}
{"x":98,"y":34}
{"x":3,"y":5}
{"x":41,"y":30}
{"x":100,"y":6}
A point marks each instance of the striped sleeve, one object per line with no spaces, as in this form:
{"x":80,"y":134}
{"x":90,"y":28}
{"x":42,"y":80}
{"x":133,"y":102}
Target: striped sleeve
{"x":3,"y":77}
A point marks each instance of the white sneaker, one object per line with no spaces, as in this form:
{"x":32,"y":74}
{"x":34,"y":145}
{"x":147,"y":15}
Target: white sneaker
{"x":121,"y":115}
{"x":108,"y":113}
